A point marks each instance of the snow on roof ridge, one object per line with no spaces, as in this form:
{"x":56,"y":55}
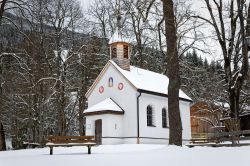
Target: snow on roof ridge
{"x":105,"y":105}
{"x":148,"y":80}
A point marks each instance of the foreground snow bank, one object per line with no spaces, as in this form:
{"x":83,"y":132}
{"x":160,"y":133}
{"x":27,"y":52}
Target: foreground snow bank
{"x":128,"y":155}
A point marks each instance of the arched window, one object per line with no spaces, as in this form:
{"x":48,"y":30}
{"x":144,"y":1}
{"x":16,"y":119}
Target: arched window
{"x":164,"y":118}
{"x":111,"y":82}
{"x":150,"y":115}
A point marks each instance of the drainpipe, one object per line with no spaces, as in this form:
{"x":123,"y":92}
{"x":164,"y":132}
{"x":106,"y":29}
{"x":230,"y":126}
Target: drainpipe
{"x":138,"y":118}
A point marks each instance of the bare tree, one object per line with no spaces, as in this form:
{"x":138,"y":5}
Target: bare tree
{"x":9,"y":5}
{"x":175,"y":135}
{"x":62,"y":15}
{"x":138,"y":13}
{"x":233,"y":45}
{"x":102,"y":16}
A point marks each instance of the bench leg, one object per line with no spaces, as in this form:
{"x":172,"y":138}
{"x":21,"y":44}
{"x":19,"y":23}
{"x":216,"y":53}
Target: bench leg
{"x":89,"y":149}
{"x":51,"y":150}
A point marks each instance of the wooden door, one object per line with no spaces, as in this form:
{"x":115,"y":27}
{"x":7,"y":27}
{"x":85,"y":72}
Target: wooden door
{"x":98,"y":131}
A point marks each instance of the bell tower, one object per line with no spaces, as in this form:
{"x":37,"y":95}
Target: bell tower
{"x":120,"y":48}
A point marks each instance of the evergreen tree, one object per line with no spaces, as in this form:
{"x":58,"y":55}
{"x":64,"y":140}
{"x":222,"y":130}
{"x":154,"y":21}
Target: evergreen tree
{"x":213,"y":66}
{"x":218,"y":66}
{"x":195,"y":58}
{"x":206,"y":64}
{"x":200,"y":62}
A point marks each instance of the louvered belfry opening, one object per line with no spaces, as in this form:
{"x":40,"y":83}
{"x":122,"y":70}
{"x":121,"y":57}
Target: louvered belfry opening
{"x":120,"y":53}
{"x":125,"y":51}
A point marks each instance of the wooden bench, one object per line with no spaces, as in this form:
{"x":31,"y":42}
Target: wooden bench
{"x":55,"y":141}
{"x":203,"y":140}
{"x":29,"y":144}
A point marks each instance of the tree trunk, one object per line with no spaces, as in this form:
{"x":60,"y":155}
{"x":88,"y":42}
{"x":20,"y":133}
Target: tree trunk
{"x":62,"y":104}
{"x":2,"y":138}
{"x":82,"y":98}
{"x":81,"y":117}
{"x":82,"y":101}
{"x":234,"y":103}
{"x":175,"y":136}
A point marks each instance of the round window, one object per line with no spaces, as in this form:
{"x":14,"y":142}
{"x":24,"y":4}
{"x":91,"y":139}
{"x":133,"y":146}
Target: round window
{"x":120,"y":86}
{"x":101,"y":89}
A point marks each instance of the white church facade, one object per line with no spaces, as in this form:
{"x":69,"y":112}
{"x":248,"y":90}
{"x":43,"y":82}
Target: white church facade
{"x":127,"y":104}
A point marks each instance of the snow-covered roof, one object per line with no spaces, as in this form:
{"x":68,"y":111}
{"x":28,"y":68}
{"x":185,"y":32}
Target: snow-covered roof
{"x":148,"y":80}
{"x":117,"y":37}
{"x":105,"y":105}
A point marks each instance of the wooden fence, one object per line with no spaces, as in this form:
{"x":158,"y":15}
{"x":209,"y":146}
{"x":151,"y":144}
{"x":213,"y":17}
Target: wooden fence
{"x":234,"y":136}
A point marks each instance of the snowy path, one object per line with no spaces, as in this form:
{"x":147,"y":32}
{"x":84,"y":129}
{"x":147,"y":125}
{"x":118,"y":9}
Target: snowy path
{"x":128,"y":155}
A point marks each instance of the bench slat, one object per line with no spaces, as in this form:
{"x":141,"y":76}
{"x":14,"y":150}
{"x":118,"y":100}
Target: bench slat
{"x":71,"y":144}
{"x":71,"y":141}
{"x":71,"y":137}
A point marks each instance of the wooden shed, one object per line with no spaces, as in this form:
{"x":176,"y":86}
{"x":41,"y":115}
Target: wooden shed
{"x":205,"y":119}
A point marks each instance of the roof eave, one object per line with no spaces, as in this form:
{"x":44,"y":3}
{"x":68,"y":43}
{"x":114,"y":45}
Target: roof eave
{"x":104,"y":112}
{"x":161,"y":94}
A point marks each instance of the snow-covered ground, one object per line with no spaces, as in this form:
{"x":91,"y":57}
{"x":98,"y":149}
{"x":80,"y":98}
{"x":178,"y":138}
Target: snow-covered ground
{"x":129,"y":155}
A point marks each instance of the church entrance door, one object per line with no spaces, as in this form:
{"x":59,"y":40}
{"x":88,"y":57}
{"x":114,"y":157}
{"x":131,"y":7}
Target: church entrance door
{"x":98,"y":131}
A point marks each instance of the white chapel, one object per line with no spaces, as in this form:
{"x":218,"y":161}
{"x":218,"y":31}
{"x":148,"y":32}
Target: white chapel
{"x":127,"y":104}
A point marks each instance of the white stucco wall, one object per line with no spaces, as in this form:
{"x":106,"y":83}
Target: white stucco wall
{"x":158,"y":132}
{"x":112,"y":126}
{"x":157,"y":103}
{"x":125,"y":98}
{"x":186,"y":122}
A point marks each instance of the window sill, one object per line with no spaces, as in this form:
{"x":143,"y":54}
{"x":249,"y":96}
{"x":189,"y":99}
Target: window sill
{"x":151,"y":126}
{"x":165,"y":127}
